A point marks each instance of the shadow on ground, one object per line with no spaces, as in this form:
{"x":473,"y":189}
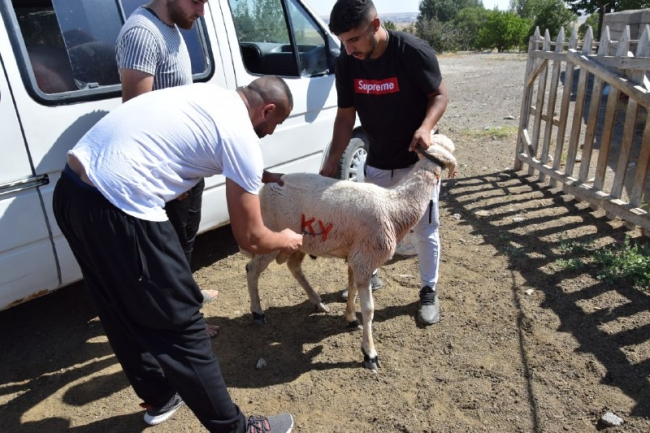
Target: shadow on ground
{"x":531,"y":242}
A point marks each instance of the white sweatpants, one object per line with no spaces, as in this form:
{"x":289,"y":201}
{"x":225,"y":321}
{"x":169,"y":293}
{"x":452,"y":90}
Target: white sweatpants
{"x":426,"y":230}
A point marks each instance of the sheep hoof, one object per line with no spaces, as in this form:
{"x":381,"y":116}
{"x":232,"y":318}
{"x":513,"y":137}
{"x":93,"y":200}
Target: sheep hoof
{"x":370,"y":363}
{"x":259,"y":319}
{"x":322,"y":308}
{"x":354,"y":325}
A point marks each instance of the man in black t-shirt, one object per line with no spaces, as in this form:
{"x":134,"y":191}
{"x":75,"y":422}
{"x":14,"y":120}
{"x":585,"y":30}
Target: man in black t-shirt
{"x":393,"y":82}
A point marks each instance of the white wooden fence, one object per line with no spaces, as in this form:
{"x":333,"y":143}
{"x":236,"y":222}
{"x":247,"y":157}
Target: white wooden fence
{"x":584,"y":120}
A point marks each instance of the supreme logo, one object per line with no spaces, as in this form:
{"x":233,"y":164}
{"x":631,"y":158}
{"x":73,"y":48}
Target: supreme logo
{"x":374,"y":87}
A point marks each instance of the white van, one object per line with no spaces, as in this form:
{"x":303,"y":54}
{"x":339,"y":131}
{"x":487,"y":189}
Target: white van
{"x":58,"y":77}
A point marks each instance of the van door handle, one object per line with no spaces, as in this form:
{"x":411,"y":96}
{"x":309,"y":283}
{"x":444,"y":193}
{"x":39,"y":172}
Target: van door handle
{"x":27,"y":183}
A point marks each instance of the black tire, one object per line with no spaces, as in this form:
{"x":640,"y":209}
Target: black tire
{"x":353,"y":160}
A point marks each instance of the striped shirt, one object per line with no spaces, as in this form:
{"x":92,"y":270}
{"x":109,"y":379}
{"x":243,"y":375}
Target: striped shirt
{"x":147,"y":44}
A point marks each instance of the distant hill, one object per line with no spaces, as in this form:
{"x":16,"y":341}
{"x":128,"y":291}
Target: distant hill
{"x":402,"y":18}
{"x":399,"y":18}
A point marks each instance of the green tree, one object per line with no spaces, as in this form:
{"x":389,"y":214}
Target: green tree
{"x":591,"y":21}
{"x":442,"y":36}
{"x":605,"y":6}
{"x":551,"y":15}
{"x":444,"y":10}
{"x":388,"y":24}
{"x":263,"y":22}
{"x":468,"y":22}
{"x":526,"y":8}
{"x":503,"y":31}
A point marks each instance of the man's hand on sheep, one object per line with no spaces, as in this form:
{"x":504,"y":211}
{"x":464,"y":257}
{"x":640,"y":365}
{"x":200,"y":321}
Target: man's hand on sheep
{"x":293,"y":245}
{"x":329,"y":169}
{"x":293,"y":241}
{"x":421,"y":137}
{"x":268,"y":177}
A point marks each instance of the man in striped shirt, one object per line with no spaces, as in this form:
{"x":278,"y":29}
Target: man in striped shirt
{"x":151,"y":52}
{"x":151,"y":55}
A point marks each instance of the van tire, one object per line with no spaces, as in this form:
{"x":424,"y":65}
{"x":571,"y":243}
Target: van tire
{"x":353,"y":160}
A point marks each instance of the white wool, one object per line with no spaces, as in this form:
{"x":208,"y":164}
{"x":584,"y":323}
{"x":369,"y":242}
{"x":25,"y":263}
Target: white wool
{"x":359,"y":222}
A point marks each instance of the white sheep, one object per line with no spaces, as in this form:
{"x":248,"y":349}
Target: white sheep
{"x":359,"y":222}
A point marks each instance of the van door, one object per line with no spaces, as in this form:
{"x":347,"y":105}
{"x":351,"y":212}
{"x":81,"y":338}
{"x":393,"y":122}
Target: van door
{"x":283,"y":38}
{"x":24,"y":231}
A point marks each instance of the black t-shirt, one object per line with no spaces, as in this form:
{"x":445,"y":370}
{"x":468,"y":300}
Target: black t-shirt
{"x":390,"y":96}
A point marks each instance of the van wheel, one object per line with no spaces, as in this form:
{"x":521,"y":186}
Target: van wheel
{"x":353,"y":160}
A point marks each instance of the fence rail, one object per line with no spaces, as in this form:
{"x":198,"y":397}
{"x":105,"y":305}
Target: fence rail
{"x":584,"y":121}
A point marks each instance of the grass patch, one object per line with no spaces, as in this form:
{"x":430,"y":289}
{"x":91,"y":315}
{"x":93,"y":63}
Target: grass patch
{"x":628,"y":261}
{"x":497,"y":132}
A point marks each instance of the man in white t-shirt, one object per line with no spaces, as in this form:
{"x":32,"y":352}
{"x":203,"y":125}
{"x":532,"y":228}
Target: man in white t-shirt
{"x":109,"y":204}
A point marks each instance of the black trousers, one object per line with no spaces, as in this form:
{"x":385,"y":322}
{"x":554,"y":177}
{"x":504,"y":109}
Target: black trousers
{"x":185,"y":216}
{"x":148,"y":303}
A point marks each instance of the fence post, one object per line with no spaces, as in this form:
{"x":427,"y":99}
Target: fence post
{"x":594,"y":109}
{"x":608,"y":124}
{"x":643,"y":162}
{"x":578,"y":109}
{"x":539,"y":104}
{"x":628,"y":128}
{"x":552,"y":98}
{"x":564,"y":107}
{"x":522,"y":140}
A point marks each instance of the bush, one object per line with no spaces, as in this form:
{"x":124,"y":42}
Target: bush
{"x":503,"y":31}
{"x":443,"y":37}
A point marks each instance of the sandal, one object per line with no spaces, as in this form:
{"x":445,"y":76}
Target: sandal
{"x":212,"y":330}
{"x":207,"y":297}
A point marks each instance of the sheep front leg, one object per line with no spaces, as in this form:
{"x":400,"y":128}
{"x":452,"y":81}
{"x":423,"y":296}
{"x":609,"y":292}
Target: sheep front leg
{"x":254,"y":269}
{"x":370,"y":357}
{"x":295,"y":266}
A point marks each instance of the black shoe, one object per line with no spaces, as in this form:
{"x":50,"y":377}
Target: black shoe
{"x":375,"y":283}
{"x":282,"y":423}
{"x":429,"y":312}
{"x":156,"y":415}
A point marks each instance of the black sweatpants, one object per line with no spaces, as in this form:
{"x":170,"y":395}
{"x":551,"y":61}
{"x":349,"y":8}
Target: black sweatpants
{"x":147,"y":301}
{"x":185,"y":216}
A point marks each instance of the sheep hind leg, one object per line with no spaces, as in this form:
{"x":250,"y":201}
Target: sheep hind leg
{"x":254,"y":269}
{"x":370,"y":357}
{"x":295,"y":266}
{"x":350,"y":314}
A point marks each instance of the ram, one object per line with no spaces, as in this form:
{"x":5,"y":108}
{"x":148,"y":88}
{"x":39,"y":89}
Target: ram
{"x":359,"y":222}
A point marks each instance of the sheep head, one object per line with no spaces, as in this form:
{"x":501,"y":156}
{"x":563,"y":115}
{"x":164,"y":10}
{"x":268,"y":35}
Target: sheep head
{"x":441,"y":149}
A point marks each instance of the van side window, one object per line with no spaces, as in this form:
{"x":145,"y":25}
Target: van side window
{"x":269,"y":39}
{"x":45,"y":48}
{"x":194,"y":40}
{"x":70,"y":44}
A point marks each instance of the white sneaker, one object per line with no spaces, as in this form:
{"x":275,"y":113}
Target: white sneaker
{"x":156,"y":415}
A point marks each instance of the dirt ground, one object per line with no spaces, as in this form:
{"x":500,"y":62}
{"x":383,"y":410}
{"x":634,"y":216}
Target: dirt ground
{"x":523,"y":345}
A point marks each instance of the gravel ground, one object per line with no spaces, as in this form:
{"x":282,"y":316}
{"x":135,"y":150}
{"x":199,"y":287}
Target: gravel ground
{"x":523,"y":346}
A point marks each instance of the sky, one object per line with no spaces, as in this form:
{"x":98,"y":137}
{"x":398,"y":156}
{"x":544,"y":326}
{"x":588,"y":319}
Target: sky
{"x":323,"y":7}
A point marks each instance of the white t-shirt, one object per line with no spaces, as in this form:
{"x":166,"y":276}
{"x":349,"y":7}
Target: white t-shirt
{"x":157,"y":146}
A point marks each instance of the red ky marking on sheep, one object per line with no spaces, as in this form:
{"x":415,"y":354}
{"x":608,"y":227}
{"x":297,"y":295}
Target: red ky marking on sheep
{"x":307,"y":226}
